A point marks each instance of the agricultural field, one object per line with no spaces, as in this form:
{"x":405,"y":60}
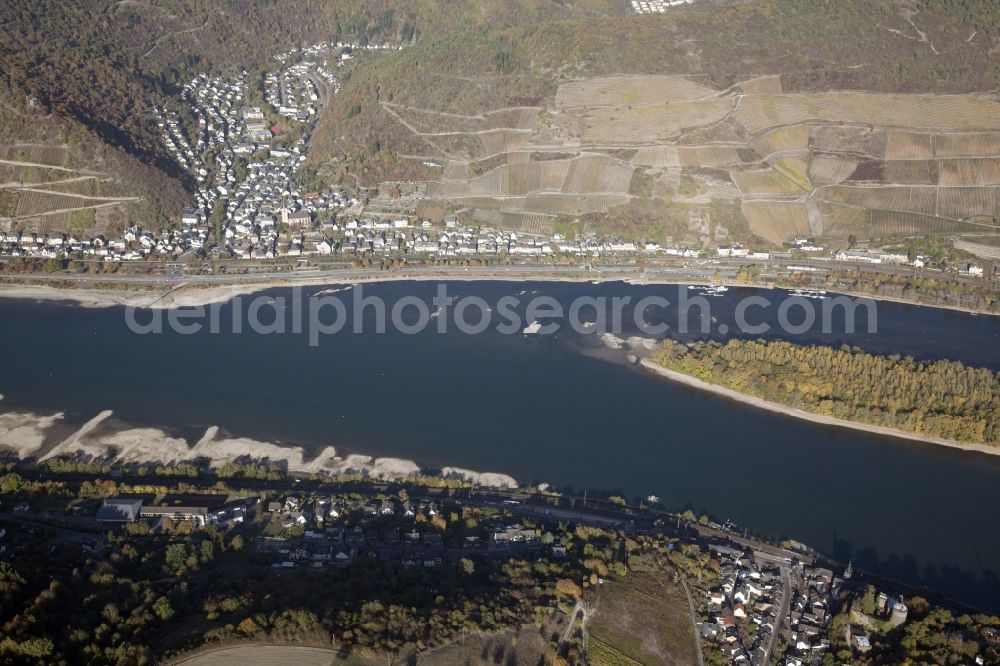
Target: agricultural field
{"x":761,"y":112}
{"x":846,"y":221}
{"x":964,"y":202}
{"x":37,"y":202}
{"x":765,"y":182}
{"x":9,"y":202}
{"x":834,"y":163}
{"x":763,"y":85}
{"x":983,"y":171}
{"x":912,"y":172}
{"x":650,"y":124}
{"x":776,"y":221}
{"x":660,"y":156}
{"x":795,"y":170}
{"x":641,"y":620}
{"x":249,"y":655}
{"x":986,"y":247}
{"x":890,"y":224}
{"x":825,"y":170}
{"x":983,"y":144}
{"x":600,"y":653}
{"x":43,"y":190}
{"x":909,"y":146}
{"x":616,"y":92}
{"x":708,"y":156}
{"x":19,"y":174}
{"x":428,"y":122}
{"x":782,"y":140}
{"x":35,"y":153}
{"x":915,"y":199}
{"x":848,"y":140}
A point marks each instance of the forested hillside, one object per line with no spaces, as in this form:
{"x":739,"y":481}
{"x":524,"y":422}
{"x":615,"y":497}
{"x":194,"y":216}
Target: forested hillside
{"x":100,"y":66}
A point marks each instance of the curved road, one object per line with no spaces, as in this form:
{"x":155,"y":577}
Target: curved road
{"x":694,"y":623}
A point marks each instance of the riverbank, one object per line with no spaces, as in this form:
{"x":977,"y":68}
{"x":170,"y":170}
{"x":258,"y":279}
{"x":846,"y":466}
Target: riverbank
{"x":151,"y":294}
{"x":28,"y":436}
{"x":795,"y":412}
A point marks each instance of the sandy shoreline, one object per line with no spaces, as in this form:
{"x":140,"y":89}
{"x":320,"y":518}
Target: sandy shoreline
{"x":189,"y":295}
{"x":180,"y":296}
{"x":779,"y":408}
{"x":24,"y":433}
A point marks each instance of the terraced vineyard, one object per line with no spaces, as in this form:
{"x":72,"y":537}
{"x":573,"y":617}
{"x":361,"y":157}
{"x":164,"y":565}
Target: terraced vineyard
{"x":36,"y":202}
{"x":42,"y":190}
{"x":35,"y":153}
{"x":777,"y":220}
{"x":781,"y":140}
{"x":828,"y":164}
{"x":617,"y":92}
{"x":830,"y":170}
{"x":761,"y":112}
{"x":600,"y":653}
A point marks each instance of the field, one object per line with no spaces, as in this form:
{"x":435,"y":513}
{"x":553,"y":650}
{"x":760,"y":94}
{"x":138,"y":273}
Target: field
{"x":652,"y":123}
{"x":784,"y":139}
{"x":777,"y":221}
{"x":916,"y":199}
{"x":530,"y":223}
{"x":795,"y":170}
{"x":661,"y":156}
{"x":889,"y":224}
{"x":424,"y":121}
{"x":912,"y":172}
{"x":764,"y":182}
{"x":20,"y":174}
{"x":34,"y":202}
{"x":963,"y":202}
{"x":980,"y":249}
{"x":573,"y":204}
{"x":708,"y":156}
{"x":830,"y":170}
{"x":625,"y":91}
{"x":909,"y":146}
{"x":587,"y":184}
{"x":597,"y":175}
{"x":985,"y":171}
{"x":985,"y":144}
{"x":848,"y":139}
{"x":845,"y":221}
{"x":35,"y":153}
{"x":763,"y":85}
{"x":865,"y":164}
{"x":250,"y":655}
{"x":643,"y":619}
{"x":760,"y":112}
{"x":9,"y":201}
{"x":600,"y":653}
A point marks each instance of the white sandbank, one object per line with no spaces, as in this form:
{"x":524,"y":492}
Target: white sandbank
{"x":25,"y":432}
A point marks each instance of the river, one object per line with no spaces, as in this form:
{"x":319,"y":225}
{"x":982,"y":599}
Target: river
{"x":551,"y":408}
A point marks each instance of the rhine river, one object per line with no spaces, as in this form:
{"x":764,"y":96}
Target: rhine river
{"x":550,"y":408}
